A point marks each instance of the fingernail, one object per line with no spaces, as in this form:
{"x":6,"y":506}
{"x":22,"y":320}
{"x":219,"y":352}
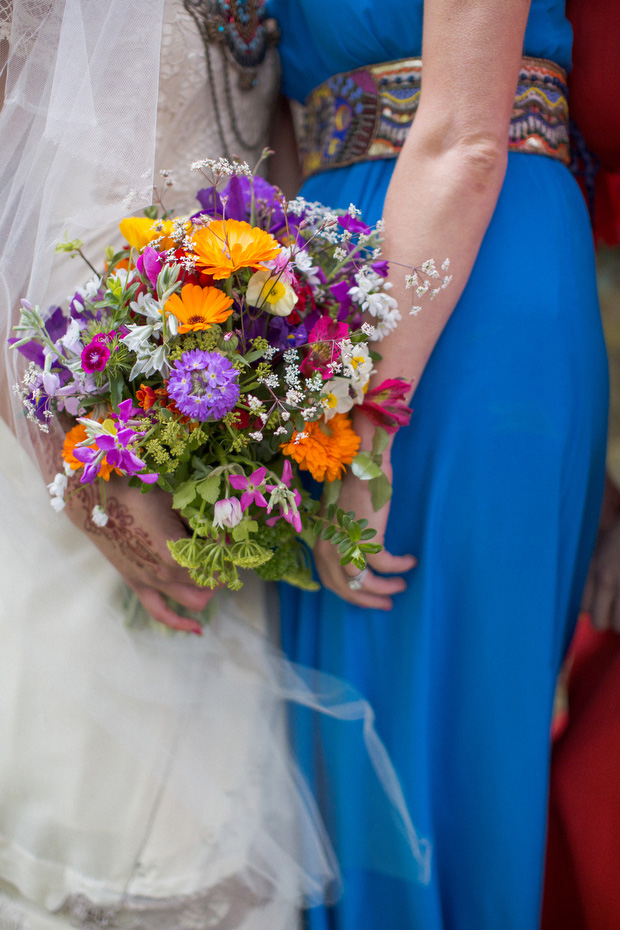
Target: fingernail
{"x":197,"y":630}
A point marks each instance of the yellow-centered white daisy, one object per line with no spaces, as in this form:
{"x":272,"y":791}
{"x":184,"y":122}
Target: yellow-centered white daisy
{"x":336,"y":397}
{"x":357,"y":365}
{"x":270,"y":293}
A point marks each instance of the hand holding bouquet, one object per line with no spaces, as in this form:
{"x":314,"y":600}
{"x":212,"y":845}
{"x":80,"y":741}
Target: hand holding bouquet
{"x":219,"y":356}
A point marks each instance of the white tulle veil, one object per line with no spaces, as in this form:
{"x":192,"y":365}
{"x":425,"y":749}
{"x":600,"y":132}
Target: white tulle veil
{"x":150,"y":712}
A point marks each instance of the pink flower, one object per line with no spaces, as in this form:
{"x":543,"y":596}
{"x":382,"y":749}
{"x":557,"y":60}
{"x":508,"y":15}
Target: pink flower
{"x":150,"y":264}
{"x":95,"y":356}
{"x":324,"y":342}
{"x":385,"y":404}
{"x":251,"y":488}
{"x":227,"y":512}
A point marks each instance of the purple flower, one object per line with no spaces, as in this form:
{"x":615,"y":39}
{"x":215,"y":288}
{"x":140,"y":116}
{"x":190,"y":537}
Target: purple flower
{"x":353,"y":225}
{"x":382,"y":267}
{"x":95,"y":356}
{"x":204,"y":385}
{"x":150,"y":264}
{"x":115,"y":448}
{"x":250,"y":487}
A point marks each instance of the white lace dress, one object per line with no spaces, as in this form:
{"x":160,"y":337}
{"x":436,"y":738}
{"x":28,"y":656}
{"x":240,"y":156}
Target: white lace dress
{"x":144,"y":777}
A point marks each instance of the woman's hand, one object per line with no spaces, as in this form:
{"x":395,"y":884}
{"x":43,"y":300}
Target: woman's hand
{"x":135,"y":542}
{"x":376,"y":590}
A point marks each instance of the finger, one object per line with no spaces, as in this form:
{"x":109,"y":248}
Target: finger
{"x":159,"y":610}
{"x":189,"y":595}
{"x":601,"y":607}
{"x":377,"y":584}
{"x":390,"y":564}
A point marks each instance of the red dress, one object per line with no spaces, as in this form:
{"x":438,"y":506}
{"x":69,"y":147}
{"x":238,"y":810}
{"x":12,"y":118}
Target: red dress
{"x":582,"y":887}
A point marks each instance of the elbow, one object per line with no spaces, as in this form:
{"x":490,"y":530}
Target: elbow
{"x":480,"y":158}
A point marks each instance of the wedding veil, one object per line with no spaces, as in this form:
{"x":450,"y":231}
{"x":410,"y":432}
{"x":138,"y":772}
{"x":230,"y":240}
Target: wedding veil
{"x":77,"y":147}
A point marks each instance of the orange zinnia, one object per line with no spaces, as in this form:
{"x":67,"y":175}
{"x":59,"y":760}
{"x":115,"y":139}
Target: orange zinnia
{"x":139,"y":231}
{"x":74,"y":436}
{"x":325,"y":448}
{"x":199,"y":307}
{"x":224,"y":246}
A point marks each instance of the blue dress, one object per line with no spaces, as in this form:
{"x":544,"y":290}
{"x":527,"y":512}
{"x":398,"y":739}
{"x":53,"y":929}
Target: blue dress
{"x":497,"y":488}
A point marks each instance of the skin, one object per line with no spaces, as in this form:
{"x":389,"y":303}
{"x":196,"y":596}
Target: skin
{"x":439,"y":203}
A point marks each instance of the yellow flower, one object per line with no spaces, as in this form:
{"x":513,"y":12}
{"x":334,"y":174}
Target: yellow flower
{"x":199,"y":307}
{"x":324,"y":449}
{"x":224,"y":246}
{"x":138,"y":231}
{"x":270,"y":293}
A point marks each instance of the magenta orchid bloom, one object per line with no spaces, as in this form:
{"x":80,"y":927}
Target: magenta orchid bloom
{"x":250,"y":487}
{"x":385,"y":404}
{"x":116,"y":450}
{"x":324,"y":341}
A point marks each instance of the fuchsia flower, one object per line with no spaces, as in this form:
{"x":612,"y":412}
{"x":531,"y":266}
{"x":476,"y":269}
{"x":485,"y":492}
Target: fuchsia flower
{"x":324,"y":341}
{"x":95,"y":356}
{"x":288,"y":500}
{"x":385,"y":404}
{"x":150,"y":264}
{"x":251,"y":487}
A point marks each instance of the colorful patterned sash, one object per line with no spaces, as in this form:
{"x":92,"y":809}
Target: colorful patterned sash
{"x":366,"y":114}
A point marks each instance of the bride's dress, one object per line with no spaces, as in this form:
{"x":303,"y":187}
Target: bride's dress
{"x":144,"y":777}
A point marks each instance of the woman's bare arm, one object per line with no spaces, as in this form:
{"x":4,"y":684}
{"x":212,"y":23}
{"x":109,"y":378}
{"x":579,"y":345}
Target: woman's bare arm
{"x":439,"y":203}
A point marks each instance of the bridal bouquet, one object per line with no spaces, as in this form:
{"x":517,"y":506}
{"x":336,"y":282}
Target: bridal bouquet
{"x":219,"y":355}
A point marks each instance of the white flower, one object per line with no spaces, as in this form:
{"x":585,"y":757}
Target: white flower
{"x":147,"y":306}
{"x":58,"y":486}
{"x":386,"y":324}
{"x":99,"y":516}
{"x":358,"y":366}
{"x":257,"y":436}
{"x":336,"y":397}
{"x":58,"y":504}
{"x":227,"y":512}
{"x":69,"y":472}
{"x":270,"y":293}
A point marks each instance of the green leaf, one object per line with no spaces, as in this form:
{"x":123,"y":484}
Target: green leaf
{"x":364,"y":468}
{"x":209,"y":488}
{"x":331,"y":492}
{"x":184,"y":495}
{"x":380,"y":491}
{"x":116,"y":389}
{"x":380,"y":441}
{"x":240,"y":532}
{"x":300,"y":423}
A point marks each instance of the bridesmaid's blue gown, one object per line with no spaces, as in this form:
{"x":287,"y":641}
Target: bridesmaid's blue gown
{"x":497,"y":488}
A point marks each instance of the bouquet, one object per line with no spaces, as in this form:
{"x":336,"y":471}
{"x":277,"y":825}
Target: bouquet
{"x":220,"y":355}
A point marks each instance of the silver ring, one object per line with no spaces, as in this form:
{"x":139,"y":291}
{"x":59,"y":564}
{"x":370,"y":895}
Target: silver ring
{"x":357,"y":582}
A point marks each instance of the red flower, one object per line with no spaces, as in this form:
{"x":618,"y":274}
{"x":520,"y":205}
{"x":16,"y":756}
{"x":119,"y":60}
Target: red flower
{"x":385,"y":404}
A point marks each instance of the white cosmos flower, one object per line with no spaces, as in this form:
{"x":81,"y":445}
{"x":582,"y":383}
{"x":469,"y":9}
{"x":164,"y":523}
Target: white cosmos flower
{"x":336,"y":397}
{"x":271,"y":294}
{"x":99,"y":516}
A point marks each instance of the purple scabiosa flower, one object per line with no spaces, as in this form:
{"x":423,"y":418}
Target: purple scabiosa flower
{"x":204,"y":385}
{"x":95,"y":356}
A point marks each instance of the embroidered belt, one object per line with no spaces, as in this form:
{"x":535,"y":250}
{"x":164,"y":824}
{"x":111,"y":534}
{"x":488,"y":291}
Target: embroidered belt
{"x":365,"y":114}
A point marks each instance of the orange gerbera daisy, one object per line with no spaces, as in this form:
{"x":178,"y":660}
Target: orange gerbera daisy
{"x":73,"y":437}
{"x":323,"y":448}
{"x":199,"y":307}
{"x":224,"y":246}
{"x":139,"y":231}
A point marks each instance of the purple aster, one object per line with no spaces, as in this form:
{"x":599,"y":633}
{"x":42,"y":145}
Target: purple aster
{"x":95,"y":356}
{"x":204,"y":385}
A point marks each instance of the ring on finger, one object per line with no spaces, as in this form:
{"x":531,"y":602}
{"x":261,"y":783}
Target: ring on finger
{"x":357,"y":582}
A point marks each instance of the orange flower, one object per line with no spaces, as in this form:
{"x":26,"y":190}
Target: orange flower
{"x":73,"y":437}
{"x":325,"y":448}
{"x":199,"y":307}
{"x":224,"y":246}
{"x":138,"y":231}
